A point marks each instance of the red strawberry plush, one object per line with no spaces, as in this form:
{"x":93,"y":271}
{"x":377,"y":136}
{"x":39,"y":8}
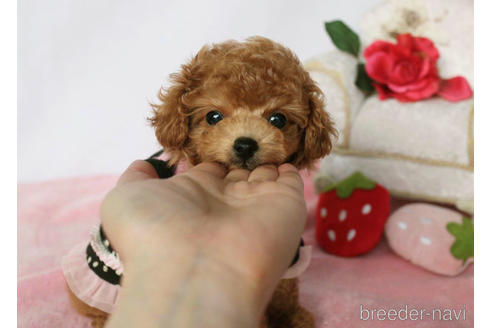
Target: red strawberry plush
{"x":350,"y":216}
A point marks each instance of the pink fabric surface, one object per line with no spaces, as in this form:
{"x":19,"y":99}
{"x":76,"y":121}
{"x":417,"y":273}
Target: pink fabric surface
{"x":53,"y":217}
{"x":56,"y":215}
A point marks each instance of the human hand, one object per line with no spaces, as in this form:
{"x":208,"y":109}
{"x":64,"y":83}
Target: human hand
{"x":241,"y":227}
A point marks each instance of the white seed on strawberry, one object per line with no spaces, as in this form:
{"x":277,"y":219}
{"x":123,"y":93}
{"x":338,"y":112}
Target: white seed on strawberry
{"x":366,"y":209}
{"x":402,"y":225}
{"x":342,"y":215}
{"x":351,"y":234}
{"x":425,"y":240}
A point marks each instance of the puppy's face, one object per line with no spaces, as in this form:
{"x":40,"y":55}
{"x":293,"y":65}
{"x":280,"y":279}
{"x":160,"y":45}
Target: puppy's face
{"x":243,"y":105}
{"x":244,"y":132}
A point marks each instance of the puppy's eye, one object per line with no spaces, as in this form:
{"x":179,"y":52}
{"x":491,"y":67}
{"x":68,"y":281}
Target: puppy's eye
{"x":213,"y":117}
{"x":277,"y":120}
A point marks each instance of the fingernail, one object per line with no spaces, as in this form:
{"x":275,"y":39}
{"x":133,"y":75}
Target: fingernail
{"x":288,"y":166}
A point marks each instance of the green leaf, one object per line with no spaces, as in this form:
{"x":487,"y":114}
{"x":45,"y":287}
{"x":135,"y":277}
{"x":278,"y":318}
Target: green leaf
{"x":462,"y":248}
{"x":346,"y":187}
{"x":363,"y":81}
{"x":343,"y":37}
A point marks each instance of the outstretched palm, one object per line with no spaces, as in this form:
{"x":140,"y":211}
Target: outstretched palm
{"x":243,"y":220}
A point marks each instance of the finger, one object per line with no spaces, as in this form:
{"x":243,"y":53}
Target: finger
{"x":289,"y":175}
{"x":263,"y":173}
{"x":237,"y":175}
{"x":209,"y":168}
{"x":138,"y":170}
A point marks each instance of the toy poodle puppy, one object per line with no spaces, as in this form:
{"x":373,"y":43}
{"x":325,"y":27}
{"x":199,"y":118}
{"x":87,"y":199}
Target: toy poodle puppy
{"x":244,"y":104}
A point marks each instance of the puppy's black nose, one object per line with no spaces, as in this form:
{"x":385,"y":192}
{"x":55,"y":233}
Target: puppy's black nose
{"x":245,"y":147}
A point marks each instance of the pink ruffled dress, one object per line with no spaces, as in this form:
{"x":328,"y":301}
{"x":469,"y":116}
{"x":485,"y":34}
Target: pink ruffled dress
{"x":93,"y":271}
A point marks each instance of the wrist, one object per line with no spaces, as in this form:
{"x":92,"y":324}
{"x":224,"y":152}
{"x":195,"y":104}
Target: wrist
{"x":188,"y":290}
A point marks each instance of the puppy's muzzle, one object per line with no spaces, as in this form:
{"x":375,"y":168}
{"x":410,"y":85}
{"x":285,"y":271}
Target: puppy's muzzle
{"x":245,"y":148}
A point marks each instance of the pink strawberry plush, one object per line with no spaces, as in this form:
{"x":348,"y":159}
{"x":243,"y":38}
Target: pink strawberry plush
{"x":350,"y":216}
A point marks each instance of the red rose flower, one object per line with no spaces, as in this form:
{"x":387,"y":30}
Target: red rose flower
{"x":407,"y":71}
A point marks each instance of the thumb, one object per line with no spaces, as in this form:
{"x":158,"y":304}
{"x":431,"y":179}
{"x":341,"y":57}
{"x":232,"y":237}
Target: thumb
{"x":137,"y":171}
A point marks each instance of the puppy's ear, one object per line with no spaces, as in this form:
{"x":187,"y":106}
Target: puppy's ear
{"x":318,"y":134}
{"x":171,"y":117}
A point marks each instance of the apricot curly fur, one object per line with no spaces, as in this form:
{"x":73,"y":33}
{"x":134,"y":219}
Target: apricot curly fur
{"x":247,"y":82}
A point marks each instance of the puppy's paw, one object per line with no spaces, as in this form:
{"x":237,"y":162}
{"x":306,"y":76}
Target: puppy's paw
{"x":302,"y":318}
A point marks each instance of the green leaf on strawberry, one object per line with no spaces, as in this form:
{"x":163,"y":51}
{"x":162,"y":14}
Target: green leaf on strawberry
{"x":462,"y":248}
{"x":346,"y":187}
